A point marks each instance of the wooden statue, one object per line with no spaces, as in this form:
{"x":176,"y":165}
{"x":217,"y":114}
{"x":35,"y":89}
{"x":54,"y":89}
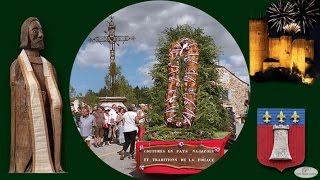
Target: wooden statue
{"x":36,"y":107}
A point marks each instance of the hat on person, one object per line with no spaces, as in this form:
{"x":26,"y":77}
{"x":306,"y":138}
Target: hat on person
{"x":142,"y":105}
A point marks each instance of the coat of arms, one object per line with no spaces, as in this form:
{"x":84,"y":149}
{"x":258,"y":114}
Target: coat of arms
{"x":280,"y":137}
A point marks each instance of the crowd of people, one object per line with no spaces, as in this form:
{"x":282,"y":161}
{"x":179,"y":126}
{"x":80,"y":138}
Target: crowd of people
{"x":114,"y":124}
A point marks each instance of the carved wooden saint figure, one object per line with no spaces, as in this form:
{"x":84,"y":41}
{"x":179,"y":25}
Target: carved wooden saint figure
{"x":36,"y":107}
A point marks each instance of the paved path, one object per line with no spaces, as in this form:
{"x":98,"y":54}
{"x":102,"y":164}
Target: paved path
{"x":128,"y":166}
{"x":110,"y":156}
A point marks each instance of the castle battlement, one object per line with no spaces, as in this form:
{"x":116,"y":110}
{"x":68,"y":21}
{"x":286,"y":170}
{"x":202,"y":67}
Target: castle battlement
{"x":285,"y":51}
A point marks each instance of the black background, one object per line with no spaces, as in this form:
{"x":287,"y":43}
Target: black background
{"x":66,"y":24}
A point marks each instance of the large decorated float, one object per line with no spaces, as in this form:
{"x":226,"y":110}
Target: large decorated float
{"x":188,"y":127}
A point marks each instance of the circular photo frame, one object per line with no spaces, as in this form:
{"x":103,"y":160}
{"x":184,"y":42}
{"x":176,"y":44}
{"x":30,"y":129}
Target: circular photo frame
{"x":159,"y":87}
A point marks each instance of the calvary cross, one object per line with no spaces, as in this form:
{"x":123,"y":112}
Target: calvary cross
{"x":112,"y":39}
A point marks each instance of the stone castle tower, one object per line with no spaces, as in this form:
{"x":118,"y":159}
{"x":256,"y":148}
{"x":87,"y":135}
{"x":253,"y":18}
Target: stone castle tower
{"x":285,"y":51}
{"x":258,"y":44}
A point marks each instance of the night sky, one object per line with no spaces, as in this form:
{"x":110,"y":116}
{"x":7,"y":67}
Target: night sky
{"x":312,"y":33}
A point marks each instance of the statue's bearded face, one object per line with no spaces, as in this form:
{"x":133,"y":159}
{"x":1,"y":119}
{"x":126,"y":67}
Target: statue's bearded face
{"x":36,"y":36}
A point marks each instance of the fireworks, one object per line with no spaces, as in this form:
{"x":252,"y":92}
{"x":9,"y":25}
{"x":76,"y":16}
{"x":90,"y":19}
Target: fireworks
{"x":292,"y":28}
{"x":306,"y":13}
{"x":281,"y":14}
{"x":301,"y":12}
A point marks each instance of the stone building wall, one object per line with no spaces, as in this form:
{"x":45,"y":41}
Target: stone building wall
{"x":238,"y":91}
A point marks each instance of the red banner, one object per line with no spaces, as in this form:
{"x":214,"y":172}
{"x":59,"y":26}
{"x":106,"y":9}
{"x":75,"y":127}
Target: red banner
{"x":204,"y":152}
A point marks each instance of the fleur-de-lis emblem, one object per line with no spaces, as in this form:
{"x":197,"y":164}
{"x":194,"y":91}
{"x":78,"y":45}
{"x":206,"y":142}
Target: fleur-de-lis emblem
{"x":281,"y":117}
{"x":266,"y":117}
{"x":295,"y":117}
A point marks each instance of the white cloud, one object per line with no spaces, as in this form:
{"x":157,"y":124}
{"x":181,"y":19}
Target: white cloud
{"x":145,"y":71}
{"x":236,"y":64}
{"x":143,"y":47}
{"x":185,"y":19}
{"x":96,"y":55}
{"x":93,"y":55}
{"x":237,"y":60}
{"x":147,"y":20}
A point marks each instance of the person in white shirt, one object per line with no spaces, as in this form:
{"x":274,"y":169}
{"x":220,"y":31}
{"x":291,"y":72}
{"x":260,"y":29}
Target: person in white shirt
{"x":113,"y":112}
{"x":113,"y":117}
{"x":130,"y":132}
{"x":85,"y":124}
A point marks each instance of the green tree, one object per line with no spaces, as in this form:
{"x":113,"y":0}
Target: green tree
{"x":111,"y":80}
{"x":211,"y":116}
{"x":114,"y":73}
{"x":91,"y":98}
{"x":79,"y":94}
{"x":141,"y":94}
{"x":120,"y":86}
{"x":72,"y":92}
{"x":126,"y":90}
{"x":145,"y":96}
{"x":103,"y":92}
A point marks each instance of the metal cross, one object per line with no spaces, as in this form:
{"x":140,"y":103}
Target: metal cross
{"x":281,"y":116}
{"x":295,"y":117}
{"x":112,"y":39}
{"x":266,"y":117}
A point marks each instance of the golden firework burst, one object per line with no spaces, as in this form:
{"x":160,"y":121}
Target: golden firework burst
{"x":292,"y":28}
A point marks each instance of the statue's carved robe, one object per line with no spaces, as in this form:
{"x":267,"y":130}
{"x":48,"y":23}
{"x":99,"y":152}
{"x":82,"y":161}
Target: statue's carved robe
{"x":35,"y":116}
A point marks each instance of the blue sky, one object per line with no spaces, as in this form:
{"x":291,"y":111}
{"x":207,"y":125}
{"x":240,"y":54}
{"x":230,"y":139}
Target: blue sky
{"x":146,"y":21}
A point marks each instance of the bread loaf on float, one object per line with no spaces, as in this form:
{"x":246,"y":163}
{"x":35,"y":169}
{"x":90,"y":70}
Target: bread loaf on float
{"x":188,"y":50}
